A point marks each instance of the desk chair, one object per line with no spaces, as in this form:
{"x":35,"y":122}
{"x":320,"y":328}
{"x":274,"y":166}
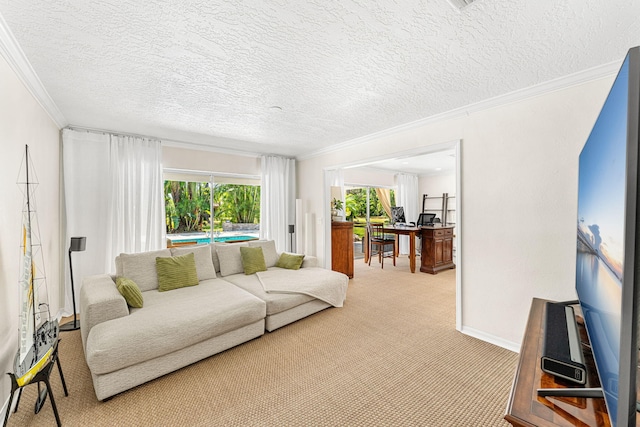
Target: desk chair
{"x":378,"y":239}
{"x":423,"y":219}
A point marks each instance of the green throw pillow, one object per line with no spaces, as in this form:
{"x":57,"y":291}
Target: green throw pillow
{"x":130,"y":291}
{"x":252,"y":260}
{"x":290,"y":261}
{"x":176,"y":272}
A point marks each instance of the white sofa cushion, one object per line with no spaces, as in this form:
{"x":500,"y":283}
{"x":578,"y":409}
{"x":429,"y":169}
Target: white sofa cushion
{"x":276,"y":302}
{"x":214,"y":257}
{"x":170,"y":321}
{"x":204,"y":261}
{"x":141,"y":268}
{"x":268,"y":250}
{"x":230,"y":258}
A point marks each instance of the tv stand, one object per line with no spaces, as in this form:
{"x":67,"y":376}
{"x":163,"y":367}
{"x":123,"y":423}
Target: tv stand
{"x":565,"y":403}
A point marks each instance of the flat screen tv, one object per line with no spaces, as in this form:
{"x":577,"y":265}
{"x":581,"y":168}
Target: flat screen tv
{"x":607,"y":259}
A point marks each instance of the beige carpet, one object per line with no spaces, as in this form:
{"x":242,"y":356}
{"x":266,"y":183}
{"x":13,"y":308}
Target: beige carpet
{"x":389,"y":357}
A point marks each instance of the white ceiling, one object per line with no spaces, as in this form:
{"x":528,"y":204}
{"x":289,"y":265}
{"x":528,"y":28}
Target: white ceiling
{"x":213,"y":72}
{"x":431,"y":164}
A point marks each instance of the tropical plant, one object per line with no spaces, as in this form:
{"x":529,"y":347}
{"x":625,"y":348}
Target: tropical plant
{"x":187,"y":206}
{"x":237,"y":203}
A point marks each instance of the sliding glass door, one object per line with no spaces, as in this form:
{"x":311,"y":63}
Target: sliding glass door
{"x":200,"y":208}
{"x":366,"y":204}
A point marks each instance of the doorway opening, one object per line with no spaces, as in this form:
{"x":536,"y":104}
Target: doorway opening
{"x":382,"y":171}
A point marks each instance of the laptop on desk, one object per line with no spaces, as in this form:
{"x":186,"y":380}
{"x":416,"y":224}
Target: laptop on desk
{"x":425,"y":219}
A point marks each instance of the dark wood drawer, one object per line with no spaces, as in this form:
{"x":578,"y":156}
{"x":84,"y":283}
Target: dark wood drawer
{"x":437,"y":249}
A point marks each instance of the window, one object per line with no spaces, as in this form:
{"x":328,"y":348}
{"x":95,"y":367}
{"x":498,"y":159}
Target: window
{"x":364,"y":204}
{"x":187,"y":206}
{"x":236,"y":207}
{"x":201,"y":206}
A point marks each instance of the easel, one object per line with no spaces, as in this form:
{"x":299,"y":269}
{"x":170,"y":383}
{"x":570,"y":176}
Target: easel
{"x":42,"y":376}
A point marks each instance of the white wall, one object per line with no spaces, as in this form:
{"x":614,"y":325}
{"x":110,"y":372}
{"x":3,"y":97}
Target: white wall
{"x":367,"y":176}
{"x":208,"y":161}
{"x":519,"y":164}
{"x":436,"y":185}
{"x":23,"y":121}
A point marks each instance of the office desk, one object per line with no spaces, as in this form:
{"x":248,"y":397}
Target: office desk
{"x":437,"y":246}
{"x":406,"y":231}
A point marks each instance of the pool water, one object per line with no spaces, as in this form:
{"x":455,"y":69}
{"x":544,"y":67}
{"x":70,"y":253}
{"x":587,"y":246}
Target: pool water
{"x":202,"y":240}
{"x":234,"y":238}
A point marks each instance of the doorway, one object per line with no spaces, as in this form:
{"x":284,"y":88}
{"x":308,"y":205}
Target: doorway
{"x":428,"y":159}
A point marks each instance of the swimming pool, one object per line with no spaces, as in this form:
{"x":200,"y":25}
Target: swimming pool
{"x":234,"y":238}
{"x":202,"y":240}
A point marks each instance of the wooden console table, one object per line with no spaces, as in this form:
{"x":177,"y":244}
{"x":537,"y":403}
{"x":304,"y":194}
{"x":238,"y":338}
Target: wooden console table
{"x":342,"y":247}
{"x":437,"y":249}
{"x":526,"y":408}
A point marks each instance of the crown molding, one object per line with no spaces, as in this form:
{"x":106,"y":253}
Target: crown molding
{"x":15,"y":57}
{"x":581,"y":77}
{"x":10,"y":50}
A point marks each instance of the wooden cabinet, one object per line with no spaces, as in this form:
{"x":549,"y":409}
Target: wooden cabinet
{"x":342,"y":247}
{"x":437,"y":249}
{"x":526,"y":408}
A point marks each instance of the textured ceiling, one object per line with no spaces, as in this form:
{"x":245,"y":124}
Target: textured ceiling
{"x":211,"y":72}
{"x":432,"y":164}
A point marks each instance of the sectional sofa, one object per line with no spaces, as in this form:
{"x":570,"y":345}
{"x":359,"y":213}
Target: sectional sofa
{"x":182,"y":323}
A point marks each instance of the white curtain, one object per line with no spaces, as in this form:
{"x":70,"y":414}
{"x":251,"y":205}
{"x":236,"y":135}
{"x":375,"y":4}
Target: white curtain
{"x":136,"y":202}
{"x":113,"y":193}
{"x":277,"y":201}
{"x":407,"y":197}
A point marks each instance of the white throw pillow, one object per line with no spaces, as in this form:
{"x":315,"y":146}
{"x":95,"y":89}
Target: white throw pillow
{"x":230,"y":258}
{"x":141,"y":268}
{"x":268,"y":249}
{"x":202,"y":255}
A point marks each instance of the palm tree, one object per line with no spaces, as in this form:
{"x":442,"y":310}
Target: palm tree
{"x":237,"y":203}
{"x":187,"y":205}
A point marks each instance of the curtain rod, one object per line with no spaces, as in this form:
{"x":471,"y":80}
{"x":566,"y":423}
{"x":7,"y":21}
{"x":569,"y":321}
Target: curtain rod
{"x":206,"y":173}
{"x":171,"y":142}
{"x":107,"y":132}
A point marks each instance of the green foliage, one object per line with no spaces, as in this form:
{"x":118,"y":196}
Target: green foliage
{"x":187,"y":205}
{"x":237,"y":203}
{"x":356,"y":203}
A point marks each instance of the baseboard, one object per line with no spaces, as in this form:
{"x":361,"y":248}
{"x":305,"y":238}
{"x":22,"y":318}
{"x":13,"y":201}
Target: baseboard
{"x":511,"y":346}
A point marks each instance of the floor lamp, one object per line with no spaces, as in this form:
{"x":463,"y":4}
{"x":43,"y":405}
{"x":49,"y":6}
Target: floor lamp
{"x":78,"y":244}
